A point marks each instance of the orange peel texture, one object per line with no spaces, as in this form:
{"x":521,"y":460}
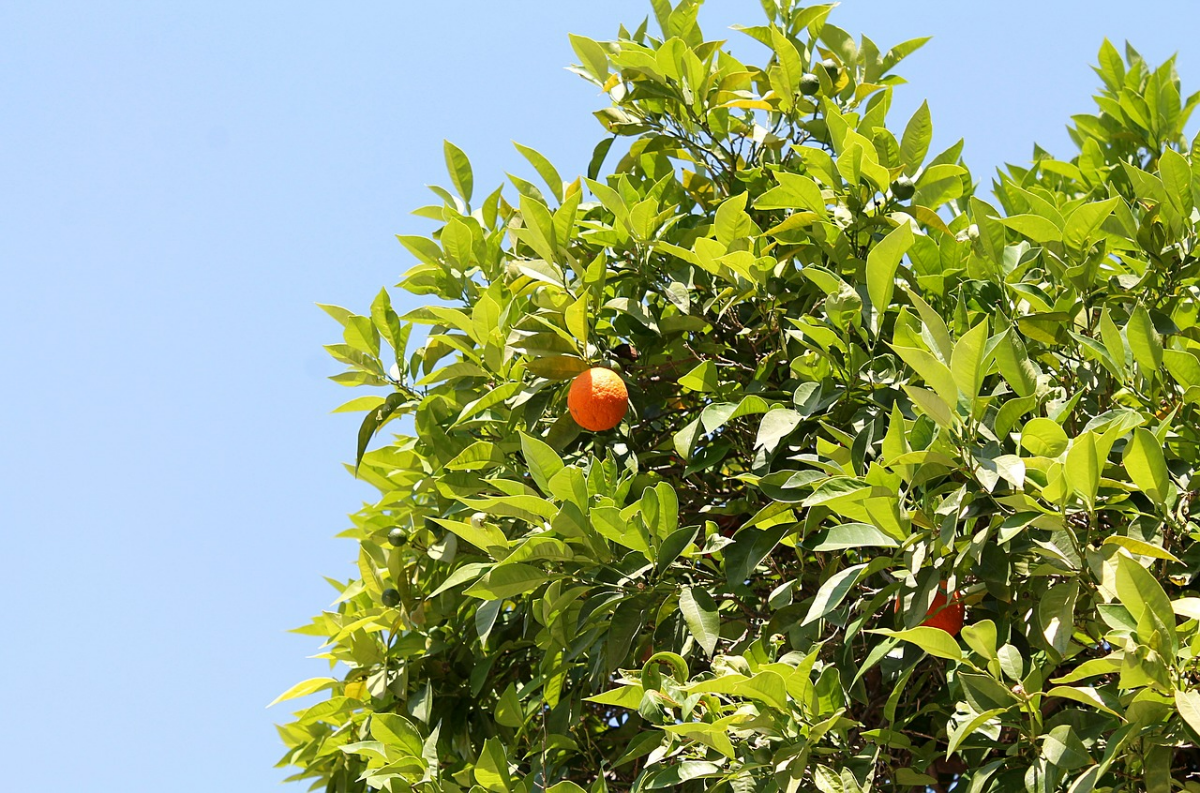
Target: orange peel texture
{"x":598,"y":399}
{"x":947,"y":615}
{"x":944,"y":613}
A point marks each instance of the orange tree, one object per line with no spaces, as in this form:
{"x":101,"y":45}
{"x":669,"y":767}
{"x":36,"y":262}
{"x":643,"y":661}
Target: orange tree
{"x":860,"y":399}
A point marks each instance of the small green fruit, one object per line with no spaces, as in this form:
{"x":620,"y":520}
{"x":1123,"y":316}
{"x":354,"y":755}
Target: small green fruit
{"x":903,"y":188}
{"x":391,"y":598}
{"x":830,"y":66}
{"x":478,"y":519}
{"x":397,"y":536}
{"x":810,"y":84}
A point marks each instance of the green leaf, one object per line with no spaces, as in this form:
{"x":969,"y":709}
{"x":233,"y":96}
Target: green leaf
{"x":1083,"y":467}
{"x":530,"y":509}
{"x":508,"y":710}
{"x":468,"y":572}
{"x":935,"y":373}
{"x":538,"y":231}
{"x":576,"y":316}
{"x":731,"y":222}
{"x":1056,"y":612}
{"x":776,"y":425}
{"x":543,"y":461}
{"x":1110,"y":334}
{"x":557,"y":367}
{"x":718,"y":414}
{"x":827,"y":780}
{"x":544,"y":168}
{"x":304,"y":688}
{"x":938,"y":184}
{"x":1146,"y":467}
{"x":1035,"y":227}
{"x":507,"y":582}
{"x":1188,"y":705}
{"x":484,"y":536}
{"x":1184,"y":366}
{"x":788,"y":59}
{"x":1085,"y":695}
{"x":981,"y":637}
{"x":623,"y":697}
{"x":1064,"y":749}
{"x":934,"y":641}
{"x":967,"y":362}
{"x":703,"y":378}
{"x":460,"y":170}
{"x":1142,"y":548}
{"x":832,"y":592}
{"x":964,"y":729}
{"x":1112,"y":68}
{"x":593,"y":57}
{"x":749,"y":548}
{"x":1044,"y":437}
{"x":1139,"y":592}
{"x":1144,"y":341}
{"x":491,"y":770}
{"x":700,"y":614}
{"x":660,"y":509}
{"x":675,"y":775}
{"x":609,"y":523}
{"x":1177,"y":180}
{"x":1085,"y":221}
{"x":767,"y":686}
{"x":397,"y":733}
{"x":492,"y":398}
{"x":851,"y":535}
{"x":917,"y":135}
{"x":373,"y":421}
{"x":1015,"y":367}
{"x":795,"y":191}
{"x":931,"y":405}
{"x":882,"y":262}
{"x":935,"y":325}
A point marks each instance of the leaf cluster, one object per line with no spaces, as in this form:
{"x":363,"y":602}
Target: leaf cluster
{"x":853,"y":384}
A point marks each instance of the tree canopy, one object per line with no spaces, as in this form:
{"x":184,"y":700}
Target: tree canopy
{"x":862,"y":398}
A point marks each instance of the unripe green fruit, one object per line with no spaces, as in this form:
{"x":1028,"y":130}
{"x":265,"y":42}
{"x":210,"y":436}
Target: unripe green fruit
{"x":478,"y":519}
{"x":397,"y":536}
{"x":831,"y":66}
{"x":903,"y":188}
{"x":810,"y":84}
{"x":391,"y":598}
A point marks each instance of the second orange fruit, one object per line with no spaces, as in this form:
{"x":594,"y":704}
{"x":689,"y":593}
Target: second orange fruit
{"x":598,"y":399}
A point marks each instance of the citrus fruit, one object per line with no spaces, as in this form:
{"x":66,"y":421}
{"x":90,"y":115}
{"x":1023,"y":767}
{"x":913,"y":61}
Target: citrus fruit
{"x":943,"y":613}
{"x":390,"y":598}
{"x":810,"y":84}
{"x":598,"y":399}
{"x":903,"y":188}
{"x":397,"y":536}
{"x":831,"y":66}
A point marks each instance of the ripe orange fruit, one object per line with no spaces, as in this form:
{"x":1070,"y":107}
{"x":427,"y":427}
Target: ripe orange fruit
{"x":943,"y":613}
{"x":598,"y":399}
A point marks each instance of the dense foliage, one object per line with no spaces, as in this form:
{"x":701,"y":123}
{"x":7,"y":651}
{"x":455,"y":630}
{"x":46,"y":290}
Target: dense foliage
{"x":853,"y":383}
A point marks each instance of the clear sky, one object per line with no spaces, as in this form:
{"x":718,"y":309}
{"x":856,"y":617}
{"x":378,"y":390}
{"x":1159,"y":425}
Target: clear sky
{"x":179,"y":184}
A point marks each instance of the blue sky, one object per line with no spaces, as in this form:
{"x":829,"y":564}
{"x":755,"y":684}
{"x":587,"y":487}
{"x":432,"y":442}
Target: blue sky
{"x":179,"y":184}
